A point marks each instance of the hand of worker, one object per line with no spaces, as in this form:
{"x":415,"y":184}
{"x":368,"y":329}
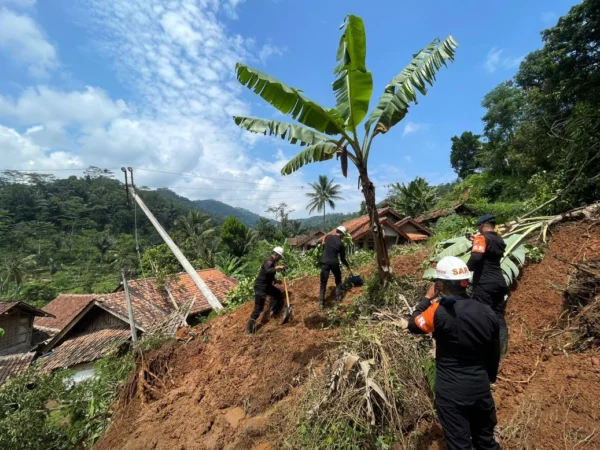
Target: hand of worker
{"x":279,"y":268}
{"x":432,"y":292}
{"x":469,"y":236}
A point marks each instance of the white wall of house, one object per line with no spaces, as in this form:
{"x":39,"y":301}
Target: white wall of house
{"x":81,"y":372}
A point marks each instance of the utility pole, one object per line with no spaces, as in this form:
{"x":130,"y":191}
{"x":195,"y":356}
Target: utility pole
{"x":129,"y":309}
{"x":210,"y":297}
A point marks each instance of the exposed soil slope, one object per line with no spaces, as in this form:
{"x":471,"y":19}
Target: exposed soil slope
{"x":548,"y":397}
{"x":223,"y":384}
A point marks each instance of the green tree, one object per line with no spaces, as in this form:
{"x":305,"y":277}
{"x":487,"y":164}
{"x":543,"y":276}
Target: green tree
{"x":326,"y":132}
{"x":324,"y":193}
{"x":295,"y":228}
{"x":15,"y":269}
{"x":104,"y":244}
{"x":234,"y":235}
{"x":281,"y":213}
{"x":465,"y":154}
{"x":414,"y":198}
{"x":38,"y":293}
{"x":265,"y":230}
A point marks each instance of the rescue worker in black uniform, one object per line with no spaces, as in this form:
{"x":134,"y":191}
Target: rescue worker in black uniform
{"x":263,"y":287}
{"x":489,"y":285}
{"x":467,"y":357}
{"x":333,"y":251}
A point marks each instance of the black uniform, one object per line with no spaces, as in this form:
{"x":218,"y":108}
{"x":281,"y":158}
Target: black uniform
{"x":263,"y":286}
{"x":333,"y":251}
{"x":467,"y":357}
{"x":489,"y":285}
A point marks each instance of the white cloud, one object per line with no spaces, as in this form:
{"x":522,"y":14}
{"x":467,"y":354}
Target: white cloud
{"x":412,"y":127}
{"x":42,"y":104}
{"x":24,"y":42}
{"x":178,"y":60}
{"x":267,"y":51}
{"x":20,"y":152}
{"x":497,"y":59}
{"x":549,"y":18}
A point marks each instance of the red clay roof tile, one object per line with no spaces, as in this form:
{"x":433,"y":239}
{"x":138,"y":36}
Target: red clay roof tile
{"x":65,"y":308}
{"x":83,"y":348}
{"x":12,"y":365}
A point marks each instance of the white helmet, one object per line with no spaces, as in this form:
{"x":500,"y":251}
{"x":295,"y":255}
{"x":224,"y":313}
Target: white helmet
{"x":341,"y":229}
{"x":452,"y":268}
{"x":279,"y":251}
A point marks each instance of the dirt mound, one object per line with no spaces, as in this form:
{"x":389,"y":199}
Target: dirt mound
{"x":222,"y":385}
{"x":547,"y":393}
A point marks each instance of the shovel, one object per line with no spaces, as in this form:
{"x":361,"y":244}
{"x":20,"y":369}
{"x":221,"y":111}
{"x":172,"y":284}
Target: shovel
{"x":287,"y":315}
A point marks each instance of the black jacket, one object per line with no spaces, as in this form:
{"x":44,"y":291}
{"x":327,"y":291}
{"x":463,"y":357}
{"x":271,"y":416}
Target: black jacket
{"x":266,"y":275}
{"x":467,"y":345}
{"x":332,"y":249}
{"x":484,"y":263}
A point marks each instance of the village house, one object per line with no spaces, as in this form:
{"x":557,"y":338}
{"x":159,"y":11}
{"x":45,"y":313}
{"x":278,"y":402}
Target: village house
{"x":83,"y":328}
{"x":17,"y":344}
{"x":86,"y":327}
{"x":432,"y":217}
{"x":397,"y":229}
{"x":305,"y":243}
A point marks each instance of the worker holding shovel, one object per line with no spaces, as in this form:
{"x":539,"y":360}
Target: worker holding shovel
{"x":263,"y":287}
{"x":333,"y":251}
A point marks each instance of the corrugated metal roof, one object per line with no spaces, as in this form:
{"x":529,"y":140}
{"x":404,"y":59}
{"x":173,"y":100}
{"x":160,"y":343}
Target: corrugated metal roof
{"x":13,"y":365}
{"x":65,"y":308}
{"x":83,"y":348}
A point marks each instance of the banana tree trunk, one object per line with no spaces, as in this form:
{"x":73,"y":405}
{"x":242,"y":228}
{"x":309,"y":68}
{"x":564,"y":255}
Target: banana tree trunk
{"x":383,"y":261}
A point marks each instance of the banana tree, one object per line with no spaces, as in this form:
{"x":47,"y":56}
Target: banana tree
{"x":328,"y":132}
{"x":514,"y":255}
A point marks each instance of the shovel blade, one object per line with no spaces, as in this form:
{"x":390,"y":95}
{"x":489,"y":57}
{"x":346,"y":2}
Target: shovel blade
{"x":287,"y":315}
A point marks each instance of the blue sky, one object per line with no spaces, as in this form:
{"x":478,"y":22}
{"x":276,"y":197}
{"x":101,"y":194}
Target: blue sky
{"x":150,"y":84}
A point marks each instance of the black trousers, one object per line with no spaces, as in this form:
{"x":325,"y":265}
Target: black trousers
{"x":260,"y":296}
{"x":468,"y":425}
{"x":326,"y":269}
{"x":494,"y":297}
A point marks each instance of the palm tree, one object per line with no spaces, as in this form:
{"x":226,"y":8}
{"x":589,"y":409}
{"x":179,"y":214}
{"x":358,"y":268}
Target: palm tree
{"x":194,"y":224}
{"x":295,"y":228}
{"x":103,"y":243}
{"x":16,"y":269}
{"x":414,"y":198}
{"x":324,"y":193}
{"x":326,"y":132}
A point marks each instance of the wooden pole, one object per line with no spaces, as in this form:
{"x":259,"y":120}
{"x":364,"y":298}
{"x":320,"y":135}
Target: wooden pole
{"x":210,"y":297}
{"x":129,"y":309}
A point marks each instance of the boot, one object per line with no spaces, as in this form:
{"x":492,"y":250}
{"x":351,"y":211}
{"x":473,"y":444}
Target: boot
{"x":251,"y":326}
{"x":338,"y":293}
{"x":322,"y":298}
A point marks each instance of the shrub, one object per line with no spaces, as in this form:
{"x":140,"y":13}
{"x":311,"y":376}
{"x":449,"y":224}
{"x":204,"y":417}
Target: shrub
{"x":45,"y":411}
{"x":38,"y":293}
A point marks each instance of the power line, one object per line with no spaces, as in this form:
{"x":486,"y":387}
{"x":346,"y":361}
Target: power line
{"x":201,"y":177}
{"x":226,"y":189}
{"x":51,"y":170}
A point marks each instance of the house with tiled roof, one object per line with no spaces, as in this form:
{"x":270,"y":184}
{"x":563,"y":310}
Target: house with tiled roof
{"x":307,"y":242}
{"x":86,"y":327}
{"x":396,"y":228}
{"x":433,"y":216}
{"x":16,"y":345}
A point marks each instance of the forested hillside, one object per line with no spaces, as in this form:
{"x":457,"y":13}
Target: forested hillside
{"x":220,"y":209}
{"x":72,"y":234}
